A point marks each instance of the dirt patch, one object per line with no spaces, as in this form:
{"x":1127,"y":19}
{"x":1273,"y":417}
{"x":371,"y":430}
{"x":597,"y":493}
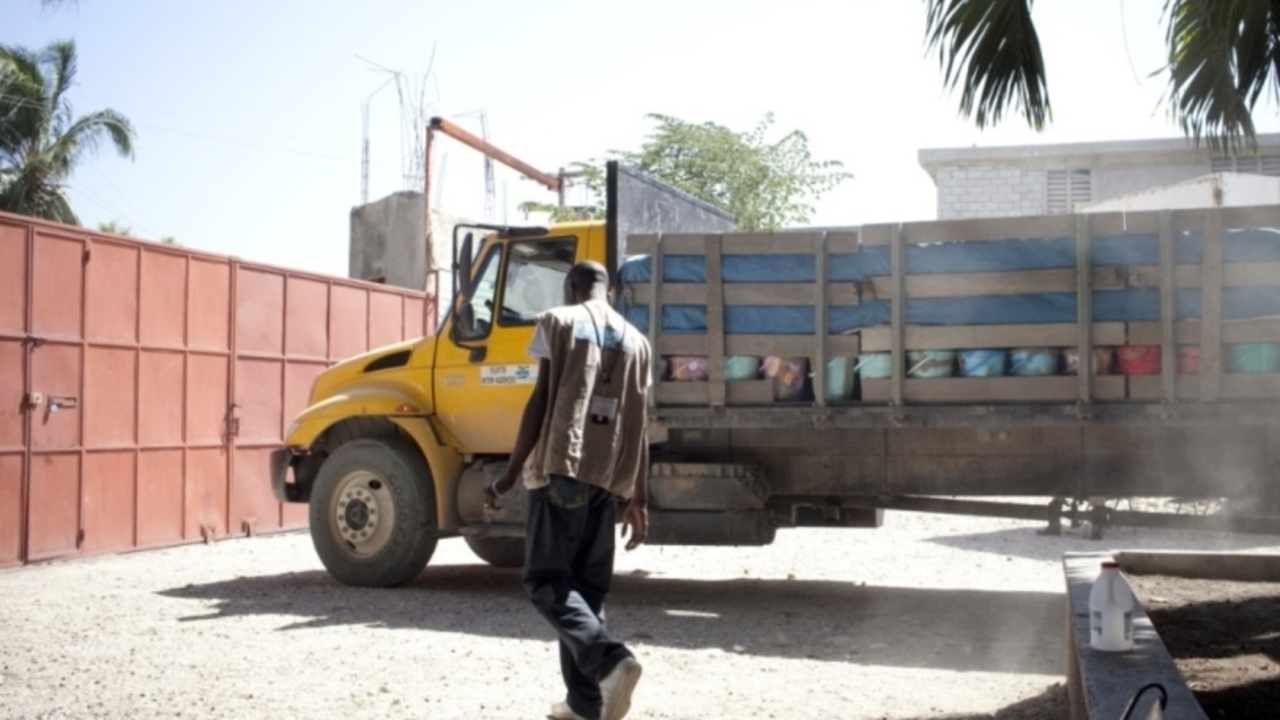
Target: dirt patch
{"x":1224,"y":637}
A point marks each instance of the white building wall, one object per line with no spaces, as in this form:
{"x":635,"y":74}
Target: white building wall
{"x":1011,"y":181}
{"x":988,"y":191}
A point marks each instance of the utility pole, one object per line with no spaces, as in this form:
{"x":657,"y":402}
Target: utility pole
{"x":364,"y":149}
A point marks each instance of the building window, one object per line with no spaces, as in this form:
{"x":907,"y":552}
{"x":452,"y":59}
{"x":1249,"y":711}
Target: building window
{"x":1066,"y":189}
{"x":1257,"y":164}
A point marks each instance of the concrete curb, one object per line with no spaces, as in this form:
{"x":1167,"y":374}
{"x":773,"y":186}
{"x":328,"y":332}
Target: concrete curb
{"x":1242,"y":567}
{"x":1100,"y":685}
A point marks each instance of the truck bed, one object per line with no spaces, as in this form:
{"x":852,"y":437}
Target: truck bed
{"x":1200,"y":285}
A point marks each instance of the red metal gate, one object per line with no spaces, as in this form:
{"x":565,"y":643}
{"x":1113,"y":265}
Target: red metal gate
{"x":142,"y":385}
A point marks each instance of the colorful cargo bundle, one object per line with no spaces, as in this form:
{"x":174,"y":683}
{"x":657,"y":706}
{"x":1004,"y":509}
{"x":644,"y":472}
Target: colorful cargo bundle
{"x":981,"y":310}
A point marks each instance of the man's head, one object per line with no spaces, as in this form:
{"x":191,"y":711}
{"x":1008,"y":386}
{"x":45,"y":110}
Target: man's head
{"x":587,"y":280}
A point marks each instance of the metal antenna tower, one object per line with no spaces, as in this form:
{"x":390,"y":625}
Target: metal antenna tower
{"x":413,"y":122}
{"x":490,"y":189}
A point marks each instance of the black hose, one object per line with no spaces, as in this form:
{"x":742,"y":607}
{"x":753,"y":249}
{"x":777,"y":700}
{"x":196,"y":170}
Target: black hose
{"x":1133,"y":702}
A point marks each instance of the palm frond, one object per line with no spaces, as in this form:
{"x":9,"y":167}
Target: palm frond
{"x":41,"y":141}
{"x":60,"y":59}
{"x":1223,"y":54}
{"x":990,"y":49}
{"x":86,"y":134}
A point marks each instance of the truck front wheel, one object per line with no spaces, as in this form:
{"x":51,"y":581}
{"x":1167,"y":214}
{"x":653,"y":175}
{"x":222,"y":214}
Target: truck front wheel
{"x":373,"y":513}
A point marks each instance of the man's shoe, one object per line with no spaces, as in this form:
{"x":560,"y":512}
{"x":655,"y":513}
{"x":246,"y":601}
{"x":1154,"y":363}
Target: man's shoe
{"x":616,"y":688}
{"x":562,"y":711}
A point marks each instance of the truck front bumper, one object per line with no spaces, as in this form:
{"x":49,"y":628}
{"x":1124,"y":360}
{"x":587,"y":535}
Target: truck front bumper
{"x":280,"y":462}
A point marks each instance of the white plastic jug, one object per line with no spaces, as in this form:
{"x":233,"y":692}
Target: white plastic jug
{"x":1110,"y":611}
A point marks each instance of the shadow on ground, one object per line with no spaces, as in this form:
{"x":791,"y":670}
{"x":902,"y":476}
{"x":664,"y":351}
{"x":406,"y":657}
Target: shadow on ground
{"x":1028,"y":542}
{"x":1016,"y":632}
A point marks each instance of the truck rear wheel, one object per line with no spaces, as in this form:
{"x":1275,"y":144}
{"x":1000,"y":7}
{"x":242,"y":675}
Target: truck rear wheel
{"x":373,"y":513}
{"x":498,"y":551}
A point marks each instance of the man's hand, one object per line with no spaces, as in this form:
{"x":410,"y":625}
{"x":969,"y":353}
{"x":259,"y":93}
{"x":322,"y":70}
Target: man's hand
{"x":499,"y":486}
{"x":636,"y":520}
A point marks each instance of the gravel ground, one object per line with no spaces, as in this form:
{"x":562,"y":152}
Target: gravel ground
{"x":929,"y":616}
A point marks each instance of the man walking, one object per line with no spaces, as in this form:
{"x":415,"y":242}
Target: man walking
{"x":584,"y":436}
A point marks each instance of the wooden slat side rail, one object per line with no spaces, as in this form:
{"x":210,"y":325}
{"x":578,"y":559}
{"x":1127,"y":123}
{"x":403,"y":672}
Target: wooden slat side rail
{"x":1188,"y":332}
{"x":1062,"y":226}
{"x":1084,"y":309}
{"x":742,"y":244}
{"x":1168,"y":308}
{"x":898,"y":314}
{"x":880,"y":287}
{"x":655,"y":311}
{"x":1188,"y":276}
{"x":759,"y":345}
{"x":976,"y":230}
{"x":1125,"y":223}
{"x":1053,"y":388}
{"x":839,"y":242}
{"x":1211,"y":309}
{"x":961,"y":337}
{"x":640,"y":244}
{"x":715,"y":321}
{"x":1232,"y":386}
{"x":746,"y":294}
{"x":1258,"y":216}
{"x":743,"y":392}
{"x":820,"y":299}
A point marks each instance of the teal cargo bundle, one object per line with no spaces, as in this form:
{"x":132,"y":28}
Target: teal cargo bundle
{"x":1259,"y":357}
{"x":875,"y":366}
{"x":982,"y":363}
{"x":741,"y":367}
{"x":840,"y":379}
{"x":1033,"y":362}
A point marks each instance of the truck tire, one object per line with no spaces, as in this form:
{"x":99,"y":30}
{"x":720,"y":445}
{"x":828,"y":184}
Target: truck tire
{"x":373,"y":513}
{"x":500,"y":551}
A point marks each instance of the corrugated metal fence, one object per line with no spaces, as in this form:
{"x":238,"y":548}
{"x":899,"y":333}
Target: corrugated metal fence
{"x":142,"y":385}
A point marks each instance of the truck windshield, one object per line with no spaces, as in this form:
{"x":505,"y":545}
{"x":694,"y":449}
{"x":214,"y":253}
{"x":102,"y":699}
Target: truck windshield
{"x":535,"y":278}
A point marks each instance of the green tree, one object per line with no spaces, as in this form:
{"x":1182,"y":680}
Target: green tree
{"x":1223,"y":55}
{"x":41,"y":140}
{"x":116,"y":228}
{"x":764,"y":184}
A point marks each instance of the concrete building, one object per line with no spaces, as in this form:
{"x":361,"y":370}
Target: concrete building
{"x":387,"y":244}
{"x":1047,"y":179}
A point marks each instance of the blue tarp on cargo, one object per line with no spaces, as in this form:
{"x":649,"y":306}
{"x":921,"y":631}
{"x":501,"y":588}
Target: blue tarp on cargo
{"x":1126,"y":305}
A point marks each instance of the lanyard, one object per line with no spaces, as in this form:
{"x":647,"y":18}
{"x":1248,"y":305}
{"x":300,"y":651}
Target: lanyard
{"x":605,"y":376}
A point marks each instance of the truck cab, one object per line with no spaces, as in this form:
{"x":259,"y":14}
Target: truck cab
{"x":396,"y":445}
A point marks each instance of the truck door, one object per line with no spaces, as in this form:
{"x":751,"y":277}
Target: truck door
{"x":483,"y":371}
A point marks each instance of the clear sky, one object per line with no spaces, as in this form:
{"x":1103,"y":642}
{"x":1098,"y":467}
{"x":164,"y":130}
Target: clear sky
{"x":249,"y":112}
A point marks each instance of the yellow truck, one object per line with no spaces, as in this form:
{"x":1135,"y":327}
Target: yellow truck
{"x":820,"y":377}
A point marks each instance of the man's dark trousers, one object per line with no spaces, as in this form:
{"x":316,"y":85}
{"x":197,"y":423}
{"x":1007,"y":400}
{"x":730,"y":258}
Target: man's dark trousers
{"x":568,"y":566}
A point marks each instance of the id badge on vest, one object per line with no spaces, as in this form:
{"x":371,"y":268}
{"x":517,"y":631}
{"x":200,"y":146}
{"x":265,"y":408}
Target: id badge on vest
{"x":602,"y":409}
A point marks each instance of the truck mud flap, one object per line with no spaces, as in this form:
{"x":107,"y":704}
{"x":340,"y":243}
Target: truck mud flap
{"x":278,"y":467}
{"x":669,"y":527}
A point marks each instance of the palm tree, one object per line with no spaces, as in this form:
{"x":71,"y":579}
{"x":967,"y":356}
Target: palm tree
{"x":41,"y":141}
{"x":1223,"y":54}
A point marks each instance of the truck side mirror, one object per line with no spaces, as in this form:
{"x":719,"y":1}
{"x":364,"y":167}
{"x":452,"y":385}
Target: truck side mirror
{"x":466,"y":325}
{"x":463,"y":283}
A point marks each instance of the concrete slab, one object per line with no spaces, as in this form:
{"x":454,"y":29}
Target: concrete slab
{"x":1102,"y":684}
